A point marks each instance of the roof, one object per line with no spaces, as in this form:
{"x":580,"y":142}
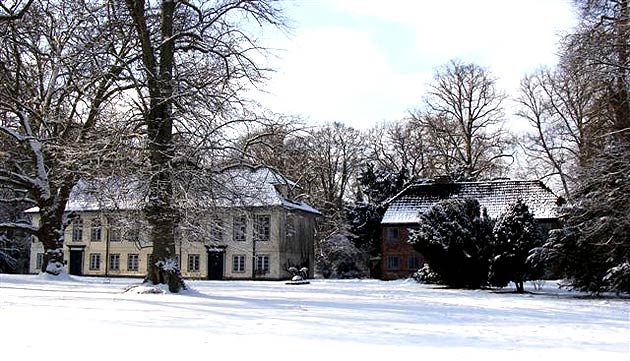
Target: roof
{"x":115,"y":194}
{"x":494,"y":196}
{"x":237,"y":187}
{"x":257,"y":187}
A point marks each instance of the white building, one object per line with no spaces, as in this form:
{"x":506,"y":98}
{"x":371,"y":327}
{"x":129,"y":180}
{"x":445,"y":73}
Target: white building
{"x":253,"y":230}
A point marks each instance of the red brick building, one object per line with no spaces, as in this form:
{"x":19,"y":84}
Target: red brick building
{"x":400,"y":260}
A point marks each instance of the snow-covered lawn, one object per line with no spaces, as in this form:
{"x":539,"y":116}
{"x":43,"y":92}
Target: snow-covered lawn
{"x":88,"y":318}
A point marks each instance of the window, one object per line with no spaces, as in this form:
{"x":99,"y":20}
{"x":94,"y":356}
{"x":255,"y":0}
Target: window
{"x":149,"y":261}
{"x":262,"y":264}
{"x":132,"y":262}
{"x":114,"y":262}
{"x":193,"y":263}
{"x":391,"y":235}
{"x":95,"y":230}
{"x":262,"y":226}
{"x":290,"y":226}
{"x":239,"y":227}
{"x":413,"y":263}
{"x":216,"y":230}
{"x":77,"y":230}
{"x":393,"y":263}
{"x":113,"y":233}
{"x":238,"y":263}
{"x":39,"y":261}
{"x":95,"y":261}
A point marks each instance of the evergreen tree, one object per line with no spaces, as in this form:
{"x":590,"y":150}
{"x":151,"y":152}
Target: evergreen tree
{"x":515,"y":235}
{"x":593,"y":247}
{"x":454,"y":237}
{"x":364,"y":215}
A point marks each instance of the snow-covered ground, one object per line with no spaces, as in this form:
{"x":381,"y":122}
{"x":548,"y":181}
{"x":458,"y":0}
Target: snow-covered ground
{"x":95,"y":319}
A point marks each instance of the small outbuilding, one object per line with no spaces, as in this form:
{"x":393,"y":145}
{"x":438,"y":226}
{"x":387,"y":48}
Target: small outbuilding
{"x":400,"y":260}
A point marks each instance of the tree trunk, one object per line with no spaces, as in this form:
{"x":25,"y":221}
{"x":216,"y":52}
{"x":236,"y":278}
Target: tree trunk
{"x":159,"y":210}
{"x":520,"y":288}
{"x":50,"y":233}
{"x":621,"y":101}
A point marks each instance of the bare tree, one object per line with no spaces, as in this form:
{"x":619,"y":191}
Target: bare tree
{"x":401,"y":146}
{"x":334,"y":154}
{"x":196,"y":57}
{"x":12,"y":10}
{"x":462,"y":116}
{"x":592,"y":248}
{"x":602,"y":43}
{"x":61,"y":64}
{"x":559,"y":106}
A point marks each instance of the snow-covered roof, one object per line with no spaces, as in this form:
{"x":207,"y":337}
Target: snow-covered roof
{"x":237,"y":187}
{"x":115,"y":194}
{"x":257,"y":187}
{"x":495,"y":196}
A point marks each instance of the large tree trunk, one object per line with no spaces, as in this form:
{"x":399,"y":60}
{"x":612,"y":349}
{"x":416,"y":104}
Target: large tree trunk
{"x":51,"y":228}
{"x":50,"y":233}
{"x":159,"y":210}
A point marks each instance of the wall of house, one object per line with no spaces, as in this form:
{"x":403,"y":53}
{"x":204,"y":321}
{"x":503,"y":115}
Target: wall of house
{"x":408,"y":260}
{"x":101,"y":246}
{"x":280,"y":249}
{"x":246,"y":248}
{"x":297,"y":241}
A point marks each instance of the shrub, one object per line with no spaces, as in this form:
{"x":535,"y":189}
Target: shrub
{"x":454,"y":236}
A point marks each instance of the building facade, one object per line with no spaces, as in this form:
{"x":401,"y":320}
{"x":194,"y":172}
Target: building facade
{"x":258,"y":236}
{"x":400,"y":260}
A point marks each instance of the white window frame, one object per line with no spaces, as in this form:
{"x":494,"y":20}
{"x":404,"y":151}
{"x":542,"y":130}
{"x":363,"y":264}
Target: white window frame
{"x":216,"y":230}
{"x":95,"y":261}
{"x":96,"y":230}
{"x":77,"y":230}
{"x":239,"y":228}
{"x":262,"y":227}
{"x":114,"y":262}
{"x":238,"y":263}
{"x":113,"y":230}
{"x":133,"y":262}
{"x":194,"y":262}
{"x":262,"y":263}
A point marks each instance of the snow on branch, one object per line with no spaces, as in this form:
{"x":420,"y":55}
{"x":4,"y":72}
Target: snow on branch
{"x":26,"y":227}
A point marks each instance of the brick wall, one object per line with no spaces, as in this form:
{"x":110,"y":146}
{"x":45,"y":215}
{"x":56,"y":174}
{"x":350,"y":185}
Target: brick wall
{"x":399,"y":259}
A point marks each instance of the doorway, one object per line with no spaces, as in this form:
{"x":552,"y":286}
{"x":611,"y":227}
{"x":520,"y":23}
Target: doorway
{"x":76,"y":262}
{"x":215,"y":264}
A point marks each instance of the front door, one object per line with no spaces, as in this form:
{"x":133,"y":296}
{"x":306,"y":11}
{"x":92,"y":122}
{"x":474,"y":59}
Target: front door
{"x":215,"y":264}
{"x":76,"y":262}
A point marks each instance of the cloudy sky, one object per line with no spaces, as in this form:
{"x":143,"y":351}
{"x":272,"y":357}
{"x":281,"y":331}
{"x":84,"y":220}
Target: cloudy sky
{"x":362,"y":62}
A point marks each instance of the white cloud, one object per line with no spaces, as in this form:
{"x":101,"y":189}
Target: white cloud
{"x":341,"y":71}
{"x":338,"y":74}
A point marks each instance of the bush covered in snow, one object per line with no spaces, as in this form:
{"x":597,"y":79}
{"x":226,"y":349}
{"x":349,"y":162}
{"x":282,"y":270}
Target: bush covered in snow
{"x":455,"y":238}
{"x":427,"y":275}
{"x":338,"y":257}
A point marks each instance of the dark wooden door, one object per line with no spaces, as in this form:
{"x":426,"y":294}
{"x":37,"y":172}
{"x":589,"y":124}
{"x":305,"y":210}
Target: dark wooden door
{"x":76,"y":262}
{"x":215,"y":265}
